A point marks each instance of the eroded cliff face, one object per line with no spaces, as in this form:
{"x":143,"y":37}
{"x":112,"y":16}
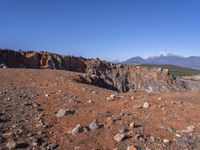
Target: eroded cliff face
{"x":122,"y":78}
{"x":41,"y":60}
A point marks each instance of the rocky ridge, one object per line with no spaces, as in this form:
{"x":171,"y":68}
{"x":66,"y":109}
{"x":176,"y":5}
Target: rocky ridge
{"x":118,"y":77}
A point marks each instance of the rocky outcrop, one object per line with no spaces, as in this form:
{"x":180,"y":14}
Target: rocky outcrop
{"x":41,"y":60}
{"x":122,"y":78}
{"x":126,"y":78}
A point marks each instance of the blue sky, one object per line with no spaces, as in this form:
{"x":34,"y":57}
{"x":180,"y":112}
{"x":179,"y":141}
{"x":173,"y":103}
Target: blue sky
{"x":108,"y":29}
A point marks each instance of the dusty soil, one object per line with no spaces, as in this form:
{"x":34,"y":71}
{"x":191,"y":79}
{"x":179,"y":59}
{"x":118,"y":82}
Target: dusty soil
{"x":30,"y":100}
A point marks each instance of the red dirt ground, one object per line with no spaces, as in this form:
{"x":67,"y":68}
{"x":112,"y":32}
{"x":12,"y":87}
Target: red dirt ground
{"x":168,"y":114}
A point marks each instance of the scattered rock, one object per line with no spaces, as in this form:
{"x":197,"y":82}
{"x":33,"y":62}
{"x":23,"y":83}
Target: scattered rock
{"x":132,"y":97}
{"x":37,"y":140}
{"x":35,"y":105}
{"x":3,"y":66}
{"x":11,"y":145}
{"x":187,"y":130}
{"x":140,"y":137}
{"x":112,"y":97}
{"x":119,"y":137}
{"x":27,"y":103}
{"x":62,"y":112}
{"x":152,"y":138}
{"x":132,"y":125}
{"x":94,"y":125}
{"x":131,"y":147}
{"x":166,"y":141}
{"x":77,"y":129}
{"x":77,"y":148}
{"x":52,"y":146}
{"x":178,"y":135}
{"x":146,"y":105}
{"x":85,"y":129}
{"x":188,"y":139}
{"x":122,"y":129}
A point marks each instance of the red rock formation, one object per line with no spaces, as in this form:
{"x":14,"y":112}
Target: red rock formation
{"x":117,"y":77}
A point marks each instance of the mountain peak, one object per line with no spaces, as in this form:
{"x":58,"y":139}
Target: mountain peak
{"x":170,"y":59}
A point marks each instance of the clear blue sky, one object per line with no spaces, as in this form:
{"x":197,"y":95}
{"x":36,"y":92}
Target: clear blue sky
{"x":108,"y":29}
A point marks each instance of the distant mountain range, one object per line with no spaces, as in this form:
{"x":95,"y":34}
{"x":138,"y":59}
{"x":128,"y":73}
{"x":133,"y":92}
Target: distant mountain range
{"x":189,"y":62}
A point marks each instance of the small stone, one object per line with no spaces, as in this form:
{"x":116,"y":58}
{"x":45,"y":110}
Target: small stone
{"x":152,"y":139}
{"x":122,"y":130}
{"x":94,"y":92}
{"x":27,"y":104}
{"x":119,"y":137}
{"x":131,"y":147}
{"x":3,"y":66}
{"x":132,"y":125}
{"x":11,"y":145}
{"x":62,"y":112}
{"x":166,"y":141}
{"x":77,"y":148}
{"x":35,"y":104}
{"x":35,"y":144}
{"x":187,"y":130}
{"x":178,"y":135}
{"x":111,"y":97}
{"x":52,"y":146}
{"x":37,"y":140}
{"x":140,"y":137}
{"x":146,"y":105}
{"x":171,"y":130}
{"x":77,"y":129}
{"x":94,"y":125}
{"x":85,"y":129}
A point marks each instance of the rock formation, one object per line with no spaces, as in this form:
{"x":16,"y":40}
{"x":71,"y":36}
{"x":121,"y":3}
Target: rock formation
{"x":118,"y":77}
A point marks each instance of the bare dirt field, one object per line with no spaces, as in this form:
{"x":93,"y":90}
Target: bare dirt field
{"x":48,"y":109}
